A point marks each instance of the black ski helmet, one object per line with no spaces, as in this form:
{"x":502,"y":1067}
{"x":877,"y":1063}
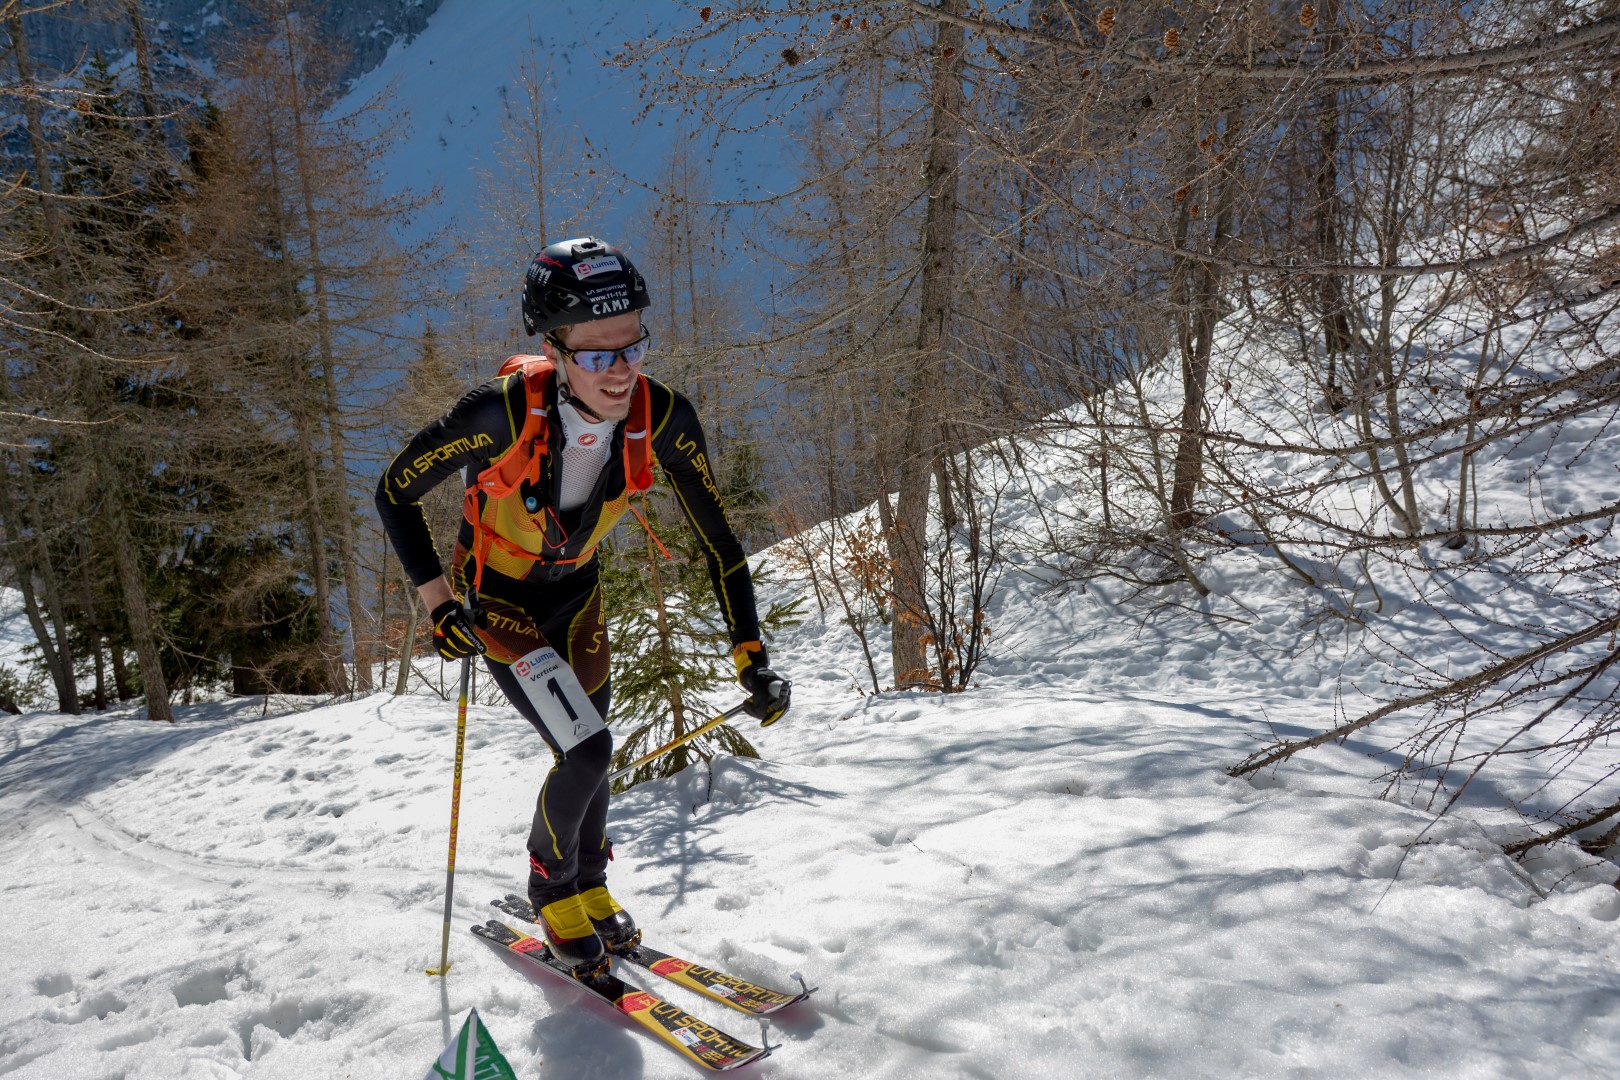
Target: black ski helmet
{"x":575,"y":281}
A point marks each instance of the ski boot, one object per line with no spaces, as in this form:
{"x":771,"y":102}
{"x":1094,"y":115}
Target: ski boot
{"x":572,"y":938}
{"x":613,"y":924}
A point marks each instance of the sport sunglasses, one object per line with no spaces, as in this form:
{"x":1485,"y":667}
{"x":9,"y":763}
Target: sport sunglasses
{"x":597,"y":361}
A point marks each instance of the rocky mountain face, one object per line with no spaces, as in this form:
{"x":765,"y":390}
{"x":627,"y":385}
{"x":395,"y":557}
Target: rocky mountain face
{"x":183,"y":32}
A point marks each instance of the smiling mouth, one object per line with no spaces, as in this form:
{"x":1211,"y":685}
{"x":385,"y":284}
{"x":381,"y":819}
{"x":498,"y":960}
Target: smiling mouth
{"x":616,"y":394}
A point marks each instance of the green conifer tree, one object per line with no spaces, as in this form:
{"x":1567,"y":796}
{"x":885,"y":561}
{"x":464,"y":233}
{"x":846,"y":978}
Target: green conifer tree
{"x":672,"y":652}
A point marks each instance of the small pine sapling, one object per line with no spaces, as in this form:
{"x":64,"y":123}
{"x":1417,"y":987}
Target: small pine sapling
{"x":672,"y":653}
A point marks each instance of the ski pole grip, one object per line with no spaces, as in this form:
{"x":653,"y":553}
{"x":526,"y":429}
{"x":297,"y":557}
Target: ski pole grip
{"x":473,"y":610}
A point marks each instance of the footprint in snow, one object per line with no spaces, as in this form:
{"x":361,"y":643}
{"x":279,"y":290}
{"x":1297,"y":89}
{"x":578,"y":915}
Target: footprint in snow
{"x":283,"y":1016}
{"x":100,"y":1005}
{"x":52,"y":985}
{"x":205,"y":987}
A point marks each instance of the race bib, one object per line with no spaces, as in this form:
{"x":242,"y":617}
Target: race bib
{"x":553,"y":689}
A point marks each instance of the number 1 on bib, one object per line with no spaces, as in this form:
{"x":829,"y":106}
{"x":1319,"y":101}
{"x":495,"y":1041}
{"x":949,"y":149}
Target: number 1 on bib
{"x":556,"y":694}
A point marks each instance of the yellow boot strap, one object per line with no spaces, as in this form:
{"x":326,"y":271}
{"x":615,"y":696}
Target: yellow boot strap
{"x":599,"y":903}
{"x":567,"y":919}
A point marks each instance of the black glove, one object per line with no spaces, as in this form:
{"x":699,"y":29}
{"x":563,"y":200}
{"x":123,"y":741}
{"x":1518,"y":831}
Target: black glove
{"x":453,"y":632}
{"x":769,"y":693}
{"x":772,"y":695}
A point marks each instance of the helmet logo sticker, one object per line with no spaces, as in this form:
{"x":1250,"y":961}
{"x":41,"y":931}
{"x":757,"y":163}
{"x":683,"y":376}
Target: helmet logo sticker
{"x":586,"y":267}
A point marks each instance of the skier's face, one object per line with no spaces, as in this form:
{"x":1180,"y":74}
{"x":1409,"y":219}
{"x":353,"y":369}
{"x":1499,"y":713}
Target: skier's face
{"x":607,"y":393}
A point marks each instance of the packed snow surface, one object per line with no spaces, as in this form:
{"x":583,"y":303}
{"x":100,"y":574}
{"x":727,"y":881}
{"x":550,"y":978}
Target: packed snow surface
{"x":1003,"y":883}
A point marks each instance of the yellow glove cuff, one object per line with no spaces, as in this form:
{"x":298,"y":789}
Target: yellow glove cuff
{"x":744,"y":653}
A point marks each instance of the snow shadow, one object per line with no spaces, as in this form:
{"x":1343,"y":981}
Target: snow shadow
{"x":676,"y":823}
{"x":580,"y":1037}
{"x":83,"y":755}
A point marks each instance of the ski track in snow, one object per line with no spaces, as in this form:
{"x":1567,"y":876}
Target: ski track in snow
{"x":995,"y":884}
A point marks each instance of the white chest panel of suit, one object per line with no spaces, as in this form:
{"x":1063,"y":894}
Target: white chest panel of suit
{"x":587,"y":447}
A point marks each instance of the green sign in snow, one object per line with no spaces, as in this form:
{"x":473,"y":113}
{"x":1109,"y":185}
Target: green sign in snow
{"x":472,"y":1055}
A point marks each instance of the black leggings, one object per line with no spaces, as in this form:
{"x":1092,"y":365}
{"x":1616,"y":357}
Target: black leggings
{"x":568,"y":844}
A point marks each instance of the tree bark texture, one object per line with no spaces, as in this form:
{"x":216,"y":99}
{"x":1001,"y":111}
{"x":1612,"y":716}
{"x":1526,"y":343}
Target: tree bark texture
{"x":358,"y":629}
{"x":1197,"y":347}
{"x":920,"y":444}
{"x":132,"y":587}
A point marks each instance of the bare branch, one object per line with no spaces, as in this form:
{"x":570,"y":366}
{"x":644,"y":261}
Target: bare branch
{"x":1384,"y":70}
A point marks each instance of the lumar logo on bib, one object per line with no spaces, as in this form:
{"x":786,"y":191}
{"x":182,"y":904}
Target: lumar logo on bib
{"x":586,"y":267}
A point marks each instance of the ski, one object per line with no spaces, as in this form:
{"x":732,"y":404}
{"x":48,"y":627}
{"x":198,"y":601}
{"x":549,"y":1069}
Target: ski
{"x":693,"y":1039}
{"x":739,"y":994}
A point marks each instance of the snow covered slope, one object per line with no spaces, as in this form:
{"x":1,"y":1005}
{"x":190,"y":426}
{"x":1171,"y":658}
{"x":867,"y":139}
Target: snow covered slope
{"x":458,"y":80}
{"x":1014,"y":882}
{"x":1049,"y":876}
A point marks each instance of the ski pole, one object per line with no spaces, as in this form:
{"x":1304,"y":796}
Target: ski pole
{"x":672,"y":744}
{"x":455,"y":816}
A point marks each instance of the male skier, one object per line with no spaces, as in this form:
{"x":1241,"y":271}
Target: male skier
{"x":550,"y":456}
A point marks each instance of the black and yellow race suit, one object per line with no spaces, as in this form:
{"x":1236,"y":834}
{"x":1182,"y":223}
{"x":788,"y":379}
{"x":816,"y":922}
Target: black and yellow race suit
{"x":556,"y":600}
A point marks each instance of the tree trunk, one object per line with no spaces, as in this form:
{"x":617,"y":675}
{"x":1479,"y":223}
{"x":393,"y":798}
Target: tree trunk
{"x":1390,"y":226}
{"x":58,"y":661}
{"x":137,"y":608}
{"x":942,"y":485}
{"x":27,"y":553}
{"x":1197,"y":349}
{"x":920,"y":445}
{"x":298,"y":410}
{"x":359,"y":638}
{"x":101,"y":673}
{"x":123,"y":688}
{"x":59,"y":657}
{"x":36,"y":135}
{"x":143,"y":71}
{"x":331,"y":655}
{"x":1333,"y":306}
{"x":407,"y":647}
{"x":382,"y":611}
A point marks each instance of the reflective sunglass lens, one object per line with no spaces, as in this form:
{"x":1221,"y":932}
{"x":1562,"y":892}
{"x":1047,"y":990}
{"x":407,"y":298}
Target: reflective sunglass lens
{"x":599,"y":360}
